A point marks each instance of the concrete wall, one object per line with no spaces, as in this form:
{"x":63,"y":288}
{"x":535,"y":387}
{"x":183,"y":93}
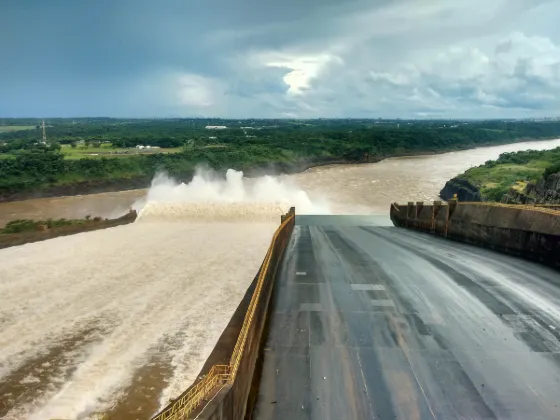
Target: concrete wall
{"x":530,"y":232}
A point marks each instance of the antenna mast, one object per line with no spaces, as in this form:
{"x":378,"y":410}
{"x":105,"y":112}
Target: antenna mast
{"x":44,"y":132}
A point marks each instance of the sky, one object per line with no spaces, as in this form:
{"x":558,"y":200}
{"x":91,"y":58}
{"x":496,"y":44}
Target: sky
{"x":280,"y":59}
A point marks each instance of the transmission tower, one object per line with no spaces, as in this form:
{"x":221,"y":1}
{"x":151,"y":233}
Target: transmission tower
{"x":44,"y":132}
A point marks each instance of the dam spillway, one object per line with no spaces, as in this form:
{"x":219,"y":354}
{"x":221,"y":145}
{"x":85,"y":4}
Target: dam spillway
{"x":352,"y":317}
{"x":368,"y":320}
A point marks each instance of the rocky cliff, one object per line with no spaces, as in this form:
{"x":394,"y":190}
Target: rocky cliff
{"x":464,"y":189}
{"x":546,"y":191}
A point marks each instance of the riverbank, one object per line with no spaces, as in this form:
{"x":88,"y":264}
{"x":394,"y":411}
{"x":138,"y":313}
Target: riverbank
{"x":143,"y":182}
{"x":270,"y":168}
{"x":43,"y":232}
{"x":524,"y":177}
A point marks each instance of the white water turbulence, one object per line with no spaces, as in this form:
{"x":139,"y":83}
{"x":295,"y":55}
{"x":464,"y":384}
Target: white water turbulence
{"x":125,"y":317}
{"x":209,"y":196}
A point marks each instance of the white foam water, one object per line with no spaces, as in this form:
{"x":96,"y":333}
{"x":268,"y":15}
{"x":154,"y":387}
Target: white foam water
{"x":242,"y":196}
{"x":179,"y":271}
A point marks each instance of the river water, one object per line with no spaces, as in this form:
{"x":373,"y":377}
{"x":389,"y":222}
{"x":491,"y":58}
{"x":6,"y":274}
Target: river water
{"x":121,"y":320}
{"x":354,"y":189}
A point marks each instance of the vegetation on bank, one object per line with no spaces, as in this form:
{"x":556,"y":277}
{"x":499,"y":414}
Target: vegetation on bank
{"x":108,"y":150}
{"x":27,"y":225}
{"x":512,"y":171}
{"x":19,"y":232}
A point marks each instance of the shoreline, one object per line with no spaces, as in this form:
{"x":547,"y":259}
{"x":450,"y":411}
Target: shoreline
{"x":8,"y":240}
{"x":143,"y":183}
{"x":421,"y":154}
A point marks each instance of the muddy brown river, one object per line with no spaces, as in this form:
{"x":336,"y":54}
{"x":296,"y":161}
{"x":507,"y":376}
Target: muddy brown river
{"x":365,"y":188}
{"x":120,"y":320}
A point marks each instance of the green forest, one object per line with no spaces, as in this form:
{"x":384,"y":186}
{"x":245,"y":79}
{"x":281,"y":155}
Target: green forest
{"x":106,"y":150}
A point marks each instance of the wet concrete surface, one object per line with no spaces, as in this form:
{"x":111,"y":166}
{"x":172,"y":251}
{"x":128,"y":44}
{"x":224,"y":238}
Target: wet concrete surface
{"x":377,"y":322}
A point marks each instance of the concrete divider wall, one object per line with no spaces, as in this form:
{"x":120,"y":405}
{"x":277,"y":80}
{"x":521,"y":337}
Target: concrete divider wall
{"x":531,"y":232}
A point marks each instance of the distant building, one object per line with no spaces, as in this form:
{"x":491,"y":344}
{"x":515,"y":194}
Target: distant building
{"x":139,"y":146}
{"x":215,"y":127}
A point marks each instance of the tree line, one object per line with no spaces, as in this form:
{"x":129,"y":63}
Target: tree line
{"x":27,"y":164}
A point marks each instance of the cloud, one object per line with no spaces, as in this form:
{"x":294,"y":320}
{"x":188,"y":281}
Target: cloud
{"x":246,"y":58}
{"x":301,"y":70}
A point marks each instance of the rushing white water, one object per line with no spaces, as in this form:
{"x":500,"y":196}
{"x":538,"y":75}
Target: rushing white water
{"x":80,"y":315}
{"x":207,"y":188}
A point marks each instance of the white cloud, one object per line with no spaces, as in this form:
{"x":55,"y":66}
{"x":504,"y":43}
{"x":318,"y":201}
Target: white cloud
{"x":456,"y":59}
{"x":399,"y":58}
{"x":518,"y":73}
{"x":301,"y":69}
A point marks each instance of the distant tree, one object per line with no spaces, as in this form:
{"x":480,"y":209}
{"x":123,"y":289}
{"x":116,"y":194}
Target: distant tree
{"x":73,"y":145}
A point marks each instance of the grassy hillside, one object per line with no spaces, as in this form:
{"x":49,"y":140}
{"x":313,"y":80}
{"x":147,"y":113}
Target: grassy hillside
{"x":512,"y":171}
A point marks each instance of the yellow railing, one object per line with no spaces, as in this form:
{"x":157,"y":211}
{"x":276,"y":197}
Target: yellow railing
{"x":240,"y":345}
{"x":217,"y":377}
{"x":221,"y":375}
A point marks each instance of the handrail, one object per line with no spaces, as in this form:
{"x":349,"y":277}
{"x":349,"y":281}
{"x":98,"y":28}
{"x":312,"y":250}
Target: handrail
{"x":181,"y":408}
{"x":238,"y":349}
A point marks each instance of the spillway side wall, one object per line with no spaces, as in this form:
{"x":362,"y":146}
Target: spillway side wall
{"x":235,"y":397}
{"x":526,"y":231}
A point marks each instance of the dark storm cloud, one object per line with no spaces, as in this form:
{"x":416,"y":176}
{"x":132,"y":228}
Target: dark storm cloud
{"x":274,"y":58}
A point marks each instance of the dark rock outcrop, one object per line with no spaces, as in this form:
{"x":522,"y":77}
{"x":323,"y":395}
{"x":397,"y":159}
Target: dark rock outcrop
{"x":464,"y":189}
{"x":545,"y":191}
{"x":542,"y":192}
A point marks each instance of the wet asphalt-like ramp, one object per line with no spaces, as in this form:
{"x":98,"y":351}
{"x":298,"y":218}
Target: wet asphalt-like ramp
{"x":369,"y":321}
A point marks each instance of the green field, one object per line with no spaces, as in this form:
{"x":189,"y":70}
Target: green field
{"x":8,"y":128}
{"x":106,"y":150}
